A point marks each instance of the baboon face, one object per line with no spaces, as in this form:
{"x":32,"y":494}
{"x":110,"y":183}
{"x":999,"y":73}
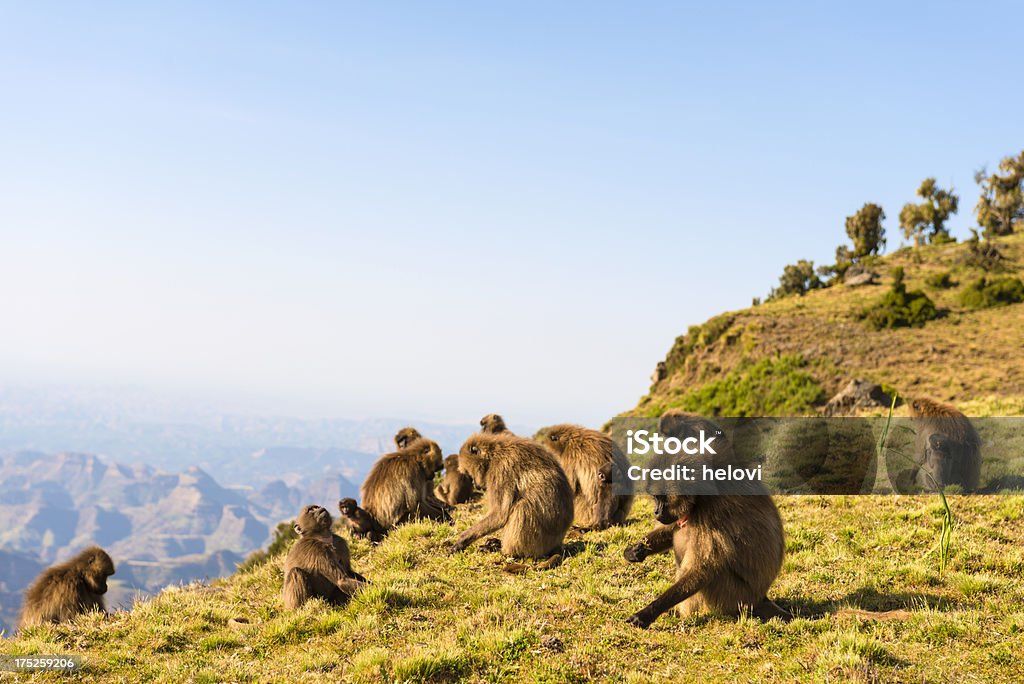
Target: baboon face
{"x":939,"y":458}
{"x":313,"y":520}
{"x":99,"y":567}
{"x":407,"y":436}
{"x":668,"y":509}
{"x":452,"y":463}
{"x":347,"y":506}
{"x":474,"y":457}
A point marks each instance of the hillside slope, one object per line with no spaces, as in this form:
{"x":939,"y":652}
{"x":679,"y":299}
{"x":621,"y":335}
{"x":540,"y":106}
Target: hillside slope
{"x":974,"y":358}
{"x":429,"y":616}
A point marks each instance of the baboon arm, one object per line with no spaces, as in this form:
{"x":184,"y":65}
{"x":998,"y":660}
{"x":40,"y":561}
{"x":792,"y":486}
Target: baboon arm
{"x":686,"y":586}
{"x":660,"y":538}
{"x":657,"y":540}
{"x":496,"y":518}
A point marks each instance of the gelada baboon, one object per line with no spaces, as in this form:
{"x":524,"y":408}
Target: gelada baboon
{"x":400,"y":485}
{"x":359,"y":521}
{"x":947,"y":448}
{"x":317,"y":565}
{"x":728,"y":548}
{"x":582,"y":453}
{"x":68,"y":589}
{"x":528,"y":497}
{"x":493,"y":424}
{"x":457,"y":486}
{"x":406,"y":436}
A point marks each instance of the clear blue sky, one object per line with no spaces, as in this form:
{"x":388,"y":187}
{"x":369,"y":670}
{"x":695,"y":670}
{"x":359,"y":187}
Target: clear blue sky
{"x":446,"y":209}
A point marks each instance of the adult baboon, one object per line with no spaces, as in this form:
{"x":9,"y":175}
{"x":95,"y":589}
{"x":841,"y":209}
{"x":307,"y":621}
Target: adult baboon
{"x":528,"y":497}
{"x":457,"y":486}
{"x":608,"y":509}
{"x":400,"y":485}
{"x":406,"y":436}
{"x":582,"y":453}
{"x":728,"y":547}
{"x":359,"y":521}
{"x":493,"y":424}
{"x":68,"y":589}
{"x":318,"y":565}
{"x":947,"y":448}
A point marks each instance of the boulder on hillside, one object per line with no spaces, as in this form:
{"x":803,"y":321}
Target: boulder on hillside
{"x":857,"y":276}
{"x":857,"y":395}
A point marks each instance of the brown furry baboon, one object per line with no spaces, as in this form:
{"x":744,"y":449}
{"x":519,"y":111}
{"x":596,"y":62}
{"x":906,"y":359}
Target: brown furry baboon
{"x":582,"y":453}
{"x":359,"y":521}
{"x":728,"y":548}
{"x":947,"y":448}
{"x":407,"y":436}
{"x":608,"y":509}
{"x":68,"y":589}
{"x":528,"y":497}
{"x":457,"y":486}
{"x":493,"y":424}
{"x":318,"y":565}
{"x":400,"y":485}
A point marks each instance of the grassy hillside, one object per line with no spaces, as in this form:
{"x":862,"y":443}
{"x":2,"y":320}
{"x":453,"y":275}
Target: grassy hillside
{"x":788,"y":356}
{"x":433,"y":617}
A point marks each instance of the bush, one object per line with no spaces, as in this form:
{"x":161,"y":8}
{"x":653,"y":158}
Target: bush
{"x":985,"y":293}
{"x":771,"y":386}
{"x":798,"y":278}
{"x":941,"y":280}
{"x":899,"y":308}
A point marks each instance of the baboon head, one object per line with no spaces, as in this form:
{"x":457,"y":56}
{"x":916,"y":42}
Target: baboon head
{"x":492,"y":423}
{"x":670,"y":508}
{"x":97,"y":567}
{"x":559,"y":437}
{"x":407,"y":436}
{"x":475,"y":455}
{"x":452,"y":463}
{"x":428,"y":455}
{"x":928,"y":408}
{"x":348,"y":507}
{"x":313,"y":521}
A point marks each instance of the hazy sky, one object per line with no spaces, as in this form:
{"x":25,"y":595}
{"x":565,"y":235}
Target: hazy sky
{"x":446,"y":209}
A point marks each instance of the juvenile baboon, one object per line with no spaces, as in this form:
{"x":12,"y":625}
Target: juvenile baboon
{"x":493,"y":424}
{"x":528,"y":497}
{"x":582,"y":453}
{"x":406,"y":436}
{"x":359,"y":521}
{"x":947,"y":447}
{"x":457,"y":486}
{"x":68,"y":589}
{"x":317,"y":565}
{"x":728,"y":548}
{"x":400,"y":485}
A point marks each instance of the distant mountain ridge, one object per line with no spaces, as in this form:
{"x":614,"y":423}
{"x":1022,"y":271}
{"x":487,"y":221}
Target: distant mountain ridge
{"x":160,"y":527}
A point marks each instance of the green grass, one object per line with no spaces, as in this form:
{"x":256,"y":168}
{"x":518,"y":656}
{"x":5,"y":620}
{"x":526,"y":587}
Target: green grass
{"x":771,"y":386}
{"x":966,"y":355}
{"x":431,"y":617}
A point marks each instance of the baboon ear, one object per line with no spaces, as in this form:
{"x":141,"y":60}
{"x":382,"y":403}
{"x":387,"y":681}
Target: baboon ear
{"x":297,"y":528}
